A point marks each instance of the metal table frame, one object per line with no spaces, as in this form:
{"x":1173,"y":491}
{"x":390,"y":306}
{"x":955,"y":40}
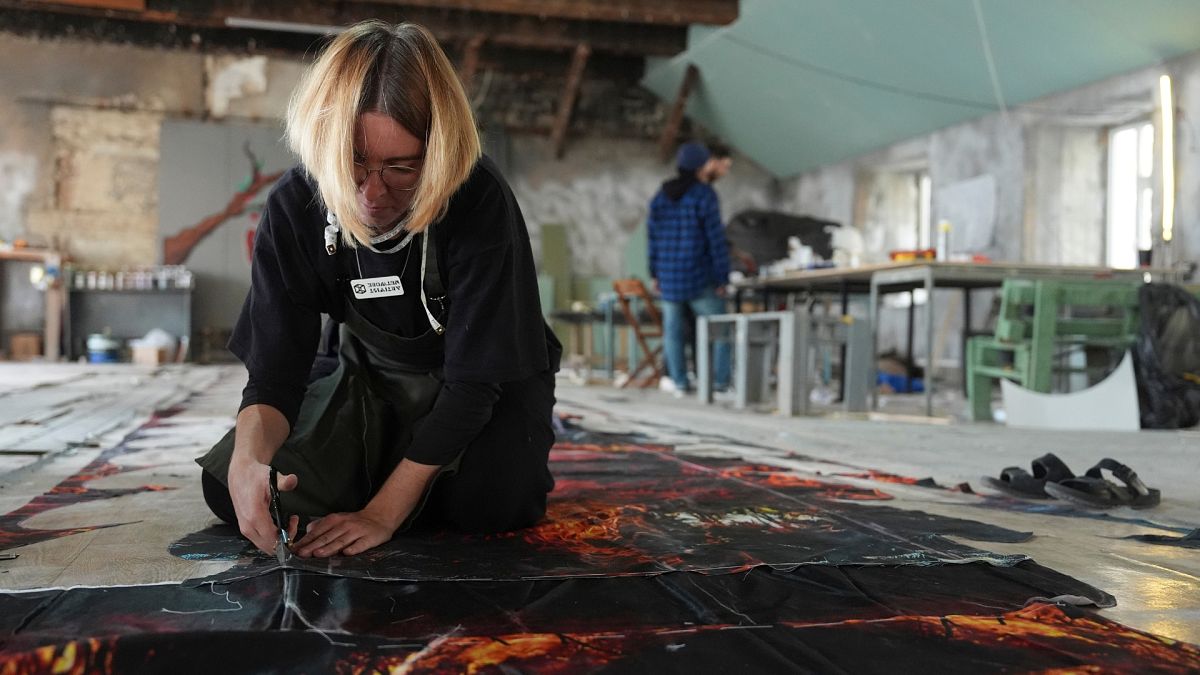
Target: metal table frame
{"x":796,"y":338}
{"x":908,"y":276}
{"x":788,"y":349}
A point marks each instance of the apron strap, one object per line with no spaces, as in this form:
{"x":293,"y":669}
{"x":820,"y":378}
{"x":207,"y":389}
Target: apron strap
{"x":431,"y":278}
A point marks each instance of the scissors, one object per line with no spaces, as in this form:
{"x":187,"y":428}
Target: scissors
{"x":281,"y":545}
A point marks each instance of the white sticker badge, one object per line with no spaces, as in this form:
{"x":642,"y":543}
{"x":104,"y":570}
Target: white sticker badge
{"x":376,"y":287}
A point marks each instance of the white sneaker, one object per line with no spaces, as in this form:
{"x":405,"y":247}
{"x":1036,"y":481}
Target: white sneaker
{"x":668,"y":385}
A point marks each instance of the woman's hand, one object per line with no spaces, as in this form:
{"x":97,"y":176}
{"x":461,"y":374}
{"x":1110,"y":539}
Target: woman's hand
{"x":248,"y":488}
{"x":260,"y":430}
{"x":353,"y":533}
{"x":345,"y":534}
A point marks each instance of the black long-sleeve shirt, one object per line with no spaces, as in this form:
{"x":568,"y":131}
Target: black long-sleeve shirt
{"x":494,"y":329}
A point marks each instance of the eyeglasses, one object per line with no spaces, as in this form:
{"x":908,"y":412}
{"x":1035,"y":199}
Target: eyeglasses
{"x":395,"y":177}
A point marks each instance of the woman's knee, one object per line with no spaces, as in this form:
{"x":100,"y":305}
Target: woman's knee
{"x":216,"y":495}
{"x":497,"y":512}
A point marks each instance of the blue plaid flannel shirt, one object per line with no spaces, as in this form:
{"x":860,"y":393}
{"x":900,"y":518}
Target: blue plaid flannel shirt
{"x":688,"y":252}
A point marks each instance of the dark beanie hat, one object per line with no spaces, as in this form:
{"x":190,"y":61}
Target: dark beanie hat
{"x":691,"y":156}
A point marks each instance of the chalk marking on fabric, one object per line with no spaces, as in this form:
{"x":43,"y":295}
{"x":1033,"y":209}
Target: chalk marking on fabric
{"x":213,"y":588}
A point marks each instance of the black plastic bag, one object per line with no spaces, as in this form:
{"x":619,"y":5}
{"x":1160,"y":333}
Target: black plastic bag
{"x":1167,"y":357}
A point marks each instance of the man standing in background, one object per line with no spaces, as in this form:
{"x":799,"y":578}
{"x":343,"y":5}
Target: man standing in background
{"x":718,"y":164}
{"x":689,"y":258}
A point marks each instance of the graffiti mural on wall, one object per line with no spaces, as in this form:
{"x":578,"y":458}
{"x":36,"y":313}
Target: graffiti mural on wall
{"x":177,"y":247}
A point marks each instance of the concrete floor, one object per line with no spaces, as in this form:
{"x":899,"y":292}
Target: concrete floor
{"x":1157,"y":587}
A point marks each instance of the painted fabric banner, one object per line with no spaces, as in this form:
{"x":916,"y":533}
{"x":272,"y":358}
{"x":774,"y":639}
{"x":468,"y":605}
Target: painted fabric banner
{"x":635,"y":509}
{"x":651,"y":558}
{"x":812,"y":618}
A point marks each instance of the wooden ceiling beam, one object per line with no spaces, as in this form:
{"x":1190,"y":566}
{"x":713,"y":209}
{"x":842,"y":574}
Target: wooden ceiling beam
{"x":627,"y":69}
{"x":566,"y":105}
{"x":505,"y":30}
{"x":470,"y":61}
{"x":121,"y":5}
{"x":663,"y":12}
{"x":524,"y":31}
{"x":666,"y":143}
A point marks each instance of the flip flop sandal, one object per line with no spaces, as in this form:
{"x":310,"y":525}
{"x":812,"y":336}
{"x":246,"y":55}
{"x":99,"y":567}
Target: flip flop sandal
{"x":1018,"y":482}
{"x":1094,"y":491}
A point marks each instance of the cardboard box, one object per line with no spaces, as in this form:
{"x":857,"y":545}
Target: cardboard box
{"x":25,"y":346}
{"x":150,"y":356}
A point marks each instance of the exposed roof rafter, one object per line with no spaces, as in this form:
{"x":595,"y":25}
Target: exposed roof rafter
{"x":665,"y":12}
{"x":630,"y":28}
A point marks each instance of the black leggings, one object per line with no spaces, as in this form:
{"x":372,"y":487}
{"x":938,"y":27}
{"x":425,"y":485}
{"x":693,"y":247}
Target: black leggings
{"x":502,"y":479}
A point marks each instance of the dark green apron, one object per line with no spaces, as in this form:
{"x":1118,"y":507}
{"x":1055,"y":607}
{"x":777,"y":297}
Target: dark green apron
{"x":356,"y":424}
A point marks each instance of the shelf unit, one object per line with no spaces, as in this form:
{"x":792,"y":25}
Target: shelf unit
{"x":126,"y":314}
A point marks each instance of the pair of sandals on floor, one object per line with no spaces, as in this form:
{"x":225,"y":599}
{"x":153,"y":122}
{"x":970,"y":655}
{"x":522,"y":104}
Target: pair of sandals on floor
{"x":1051,"y":479}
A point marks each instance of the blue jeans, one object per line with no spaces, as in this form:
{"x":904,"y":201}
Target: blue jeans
{"x":675,"y":334}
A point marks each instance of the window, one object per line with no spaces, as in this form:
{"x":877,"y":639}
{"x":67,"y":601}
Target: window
{"x":914,"y":229}
{"x":1130,"y":193}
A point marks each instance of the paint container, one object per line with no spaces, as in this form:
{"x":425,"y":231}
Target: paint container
{"x":943,"y":241}
{"x":103,"y":348}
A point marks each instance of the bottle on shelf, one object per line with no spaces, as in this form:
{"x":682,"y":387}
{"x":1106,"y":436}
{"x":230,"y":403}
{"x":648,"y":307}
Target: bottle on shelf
{"x":943,"y":241}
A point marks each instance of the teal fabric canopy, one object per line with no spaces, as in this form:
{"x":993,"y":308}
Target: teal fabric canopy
{"x":796,"y":84}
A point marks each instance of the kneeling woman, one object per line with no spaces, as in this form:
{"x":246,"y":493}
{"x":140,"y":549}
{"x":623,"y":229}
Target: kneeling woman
{"x":398,"y":228}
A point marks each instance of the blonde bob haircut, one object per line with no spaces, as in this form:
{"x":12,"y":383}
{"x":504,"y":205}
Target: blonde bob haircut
{"x":399,"y":71}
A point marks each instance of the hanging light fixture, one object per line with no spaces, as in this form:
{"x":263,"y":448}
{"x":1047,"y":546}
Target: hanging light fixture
{"x":1168,"y":157}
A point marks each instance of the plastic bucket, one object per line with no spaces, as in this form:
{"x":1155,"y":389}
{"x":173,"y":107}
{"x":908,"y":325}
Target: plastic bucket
{"x":103,"y":349}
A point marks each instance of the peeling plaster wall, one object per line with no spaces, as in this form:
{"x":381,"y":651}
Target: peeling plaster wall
{"x":253,"y":98}
{"x":601,"y":190}
{"x":1048,"y":159}
{"x":73,"y":166}
{"x":83,"y":172}
{"x":1186,"y":74}
{"x":18,"y":174}
{"x":992,"y":146}
{"x":826,"y":193}
{"x":79,"y":149}
{"x":103,"y":207}
{"x":230,"y":78}
{"x":1070,"y":216}
{"x":890,"y":219}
